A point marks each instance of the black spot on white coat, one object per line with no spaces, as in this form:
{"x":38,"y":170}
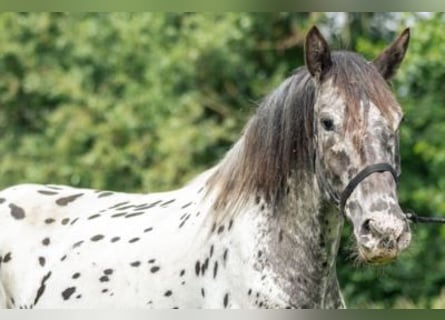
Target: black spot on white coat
{"x":77,"y":244}
{"x":7,"y":257}
{"x":154,"y":269}
{"x":66,"y":200}
{"x":17,"y":212}
{"x":46,"y":192}
{"x":204,"y":266}
{"x":135,"y":214}
{"x":226,"y":300}
{"x":97,"y":237}
{"x":66,"y":294}
{"x":105,"y":194}
{"x":42,"y":287}
{"x":215,"y":269}
{"x":226,"y":252}
{"x":166,"y":203}
{"x":108,"y":271}
{"x":230,"y":225}
{"x":168,"y":293}
{"x":133,"y":240}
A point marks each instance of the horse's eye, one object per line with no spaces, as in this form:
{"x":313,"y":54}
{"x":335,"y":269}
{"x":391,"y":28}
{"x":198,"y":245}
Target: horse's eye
{"x":327,"y":124}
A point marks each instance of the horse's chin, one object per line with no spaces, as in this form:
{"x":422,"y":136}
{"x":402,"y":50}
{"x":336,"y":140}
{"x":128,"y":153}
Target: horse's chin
{"x":377,"y":257}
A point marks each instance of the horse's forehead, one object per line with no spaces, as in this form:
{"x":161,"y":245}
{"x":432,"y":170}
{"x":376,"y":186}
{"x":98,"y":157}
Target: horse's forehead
{"x":377,"y":120}
{"x":331,"y":99}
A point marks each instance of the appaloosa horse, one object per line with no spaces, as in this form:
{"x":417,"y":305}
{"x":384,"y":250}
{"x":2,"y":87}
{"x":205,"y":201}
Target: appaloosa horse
{"x":260,"y":229}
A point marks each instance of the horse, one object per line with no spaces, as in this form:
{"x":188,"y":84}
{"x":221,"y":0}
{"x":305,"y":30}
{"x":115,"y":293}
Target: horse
{"x":260,"y":229}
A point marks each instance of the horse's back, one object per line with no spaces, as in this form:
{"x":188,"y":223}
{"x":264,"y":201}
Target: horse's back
{"x":63,"y":244}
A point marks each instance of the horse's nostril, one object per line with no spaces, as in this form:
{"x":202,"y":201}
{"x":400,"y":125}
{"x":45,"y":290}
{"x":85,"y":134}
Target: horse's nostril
{"x":366,"y":226}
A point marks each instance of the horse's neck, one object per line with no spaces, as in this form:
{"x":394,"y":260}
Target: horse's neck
{"x":296,"y":245}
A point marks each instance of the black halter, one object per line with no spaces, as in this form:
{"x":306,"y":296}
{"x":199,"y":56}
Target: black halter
{"x":380,"y":167}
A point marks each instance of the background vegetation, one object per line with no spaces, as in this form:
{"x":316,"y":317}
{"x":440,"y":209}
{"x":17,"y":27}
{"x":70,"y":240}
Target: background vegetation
{"x":143,"y":102}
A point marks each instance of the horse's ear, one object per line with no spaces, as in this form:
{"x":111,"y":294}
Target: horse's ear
{"x":317,"y":54}
{"x":389,"y":60}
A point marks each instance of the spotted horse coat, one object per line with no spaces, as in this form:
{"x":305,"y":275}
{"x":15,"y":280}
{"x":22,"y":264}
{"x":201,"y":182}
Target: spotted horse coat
{"x":261,"y":229}
{"x":69,"y":245}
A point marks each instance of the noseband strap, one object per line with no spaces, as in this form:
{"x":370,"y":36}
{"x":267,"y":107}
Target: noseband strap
{"x":379,"y":167}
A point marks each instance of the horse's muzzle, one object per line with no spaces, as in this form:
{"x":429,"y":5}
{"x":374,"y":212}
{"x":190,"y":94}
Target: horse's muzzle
{"x":381,"y":241}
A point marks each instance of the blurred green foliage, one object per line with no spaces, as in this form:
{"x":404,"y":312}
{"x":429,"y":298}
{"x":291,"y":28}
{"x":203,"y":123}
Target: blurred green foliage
{"x":144,"y":102}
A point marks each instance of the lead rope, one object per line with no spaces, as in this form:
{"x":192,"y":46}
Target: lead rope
{"x":422,"y":219}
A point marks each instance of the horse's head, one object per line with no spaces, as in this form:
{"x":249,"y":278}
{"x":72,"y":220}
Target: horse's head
{"x":356,"y":121}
